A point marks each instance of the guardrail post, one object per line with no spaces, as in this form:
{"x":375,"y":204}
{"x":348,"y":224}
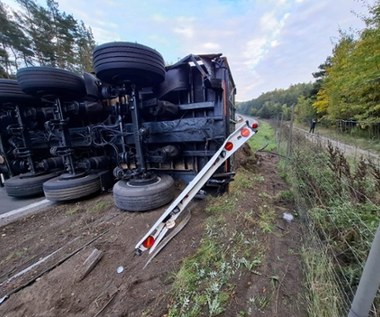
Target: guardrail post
{"x":369,"y":281}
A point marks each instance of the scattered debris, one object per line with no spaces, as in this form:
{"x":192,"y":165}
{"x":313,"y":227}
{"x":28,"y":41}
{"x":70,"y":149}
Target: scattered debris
{"x":90,"y":263}
{"x":288,"y":217}
{"x":120,"y":269}
{"x":109,"y":302}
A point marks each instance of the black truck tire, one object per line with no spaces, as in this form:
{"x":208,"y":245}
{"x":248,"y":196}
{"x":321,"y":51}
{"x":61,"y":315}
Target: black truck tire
{"x":143,"y":198}
{"x":24,"y":185}
{"x":10,"y":92}
{"x":119,"y":62}
{"x":50,"y":81}
{"x":60,"y":189}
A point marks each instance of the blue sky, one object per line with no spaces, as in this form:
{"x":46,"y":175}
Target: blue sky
{"x":269,"y":43}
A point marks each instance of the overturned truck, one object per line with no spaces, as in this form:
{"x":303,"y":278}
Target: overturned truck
{"x":135,"y":125}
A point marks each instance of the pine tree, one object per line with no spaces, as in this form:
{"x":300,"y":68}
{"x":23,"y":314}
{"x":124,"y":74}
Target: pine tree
{"x":38,"y":35}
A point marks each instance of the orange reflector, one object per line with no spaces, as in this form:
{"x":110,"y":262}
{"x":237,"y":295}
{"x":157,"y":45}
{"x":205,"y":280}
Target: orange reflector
{"x":148,"y":243}
{"x":244,"y":132}
{"x":229,"y":146}
{"x":255,"y":125}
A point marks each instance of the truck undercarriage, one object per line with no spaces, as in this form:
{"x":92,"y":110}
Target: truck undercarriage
{"x":135,"y":125}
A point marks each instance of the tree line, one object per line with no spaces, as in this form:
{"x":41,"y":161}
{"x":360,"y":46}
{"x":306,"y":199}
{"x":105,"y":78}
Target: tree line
{"x":277,"y":103}
{"x":346,"y":86}
{"x":36,"y":35}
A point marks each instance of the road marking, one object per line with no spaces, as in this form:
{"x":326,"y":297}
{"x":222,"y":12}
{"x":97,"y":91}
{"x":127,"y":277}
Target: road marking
{"x":16,"y":213}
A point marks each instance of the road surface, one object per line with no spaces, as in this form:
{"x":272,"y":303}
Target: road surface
{"x":8,"y":203}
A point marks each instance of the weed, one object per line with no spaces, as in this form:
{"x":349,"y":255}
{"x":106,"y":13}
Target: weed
{"x":251,"y":264}
{"x":265,"y":195}
{"x":266,"y":221}
{"x":323,"y":294}
{"x":258,"y":178}
{"x":14,"y":255}
{"x":221,"y":204}
{"x":243,"y":180}
{"x":202,"y":285}
{"x":75,"y":209}
{"x":260,"y":302}
{"x":100,"y":206}
{"x":287,"y":196}
{"x":342,"y":200}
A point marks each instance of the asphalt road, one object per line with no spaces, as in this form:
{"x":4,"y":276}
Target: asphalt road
{"x":8,"y":203}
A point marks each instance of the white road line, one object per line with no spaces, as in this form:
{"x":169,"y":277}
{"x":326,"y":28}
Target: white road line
{"x":16,"y":213}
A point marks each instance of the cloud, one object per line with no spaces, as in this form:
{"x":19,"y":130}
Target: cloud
{"x":268,"y":21}
{"x":159,"y":18}
{"x":211,"y":46}
{"x":185,"y":31}
{"x":269,"y":44}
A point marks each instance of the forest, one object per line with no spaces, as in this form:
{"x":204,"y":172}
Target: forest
{"x":346,"y":86}
{"x":37,"y":35}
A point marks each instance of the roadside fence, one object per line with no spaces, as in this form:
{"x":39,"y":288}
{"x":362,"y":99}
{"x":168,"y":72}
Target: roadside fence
{"x":337,"y":191}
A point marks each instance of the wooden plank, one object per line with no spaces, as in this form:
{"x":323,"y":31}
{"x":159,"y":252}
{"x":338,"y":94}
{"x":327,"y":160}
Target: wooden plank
{"x":90,"y":263}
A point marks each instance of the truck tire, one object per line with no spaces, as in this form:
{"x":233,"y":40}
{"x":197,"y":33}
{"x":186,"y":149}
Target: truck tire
{"x":60,"y":189}
{"x":143,"y":198}
{"x":27,"y":185}
{"x":44,"y":80}
{"x":118,"y":62}
{"x":11,"y":92}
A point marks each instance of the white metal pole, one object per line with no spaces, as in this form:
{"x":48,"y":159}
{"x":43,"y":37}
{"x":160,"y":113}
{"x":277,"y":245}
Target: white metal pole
{"x":369,"y":281}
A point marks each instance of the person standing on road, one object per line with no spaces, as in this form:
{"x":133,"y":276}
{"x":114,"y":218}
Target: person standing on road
{"x":312,"y":125}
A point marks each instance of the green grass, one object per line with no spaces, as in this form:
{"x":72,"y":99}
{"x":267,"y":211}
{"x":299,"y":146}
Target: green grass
{"x":323,"y":296}
{"x":369,"y":144}
{"x":203,"y":285}
{"x":339,"y":204}
{"x":267,"y":219}
{"x":101,"y":205}
{"x":74,"y":209}
{"x":265,"y":137}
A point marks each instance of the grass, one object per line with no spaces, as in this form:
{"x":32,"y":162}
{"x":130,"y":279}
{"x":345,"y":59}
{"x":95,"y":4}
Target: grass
{"x":100,"y":205}
{"x":14,"y":255}
{"x":267,"y":220}
{"x":233,"y":244}
{"x":369,"y":144}
{"x":323,"y":295}
{"x":203,"y":285}
{"x":74,"y":209}
{"x":264,"y":138}
{"x":286,"y":196}
{"x":339,"y":203}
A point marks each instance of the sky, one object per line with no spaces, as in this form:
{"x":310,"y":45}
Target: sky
{"x":269,"y":44}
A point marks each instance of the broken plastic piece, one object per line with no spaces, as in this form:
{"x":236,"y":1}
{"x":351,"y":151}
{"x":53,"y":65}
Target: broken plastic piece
{"x":288,"y":217}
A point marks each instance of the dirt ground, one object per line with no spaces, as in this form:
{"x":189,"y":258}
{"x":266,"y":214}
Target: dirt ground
{"x":42,"y":258}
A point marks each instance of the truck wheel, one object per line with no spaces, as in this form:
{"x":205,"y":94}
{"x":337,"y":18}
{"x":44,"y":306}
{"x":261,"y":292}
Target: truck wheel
{"x":27,"y":185}
{"x":10,"y":91}
{"x":44,"y":80}
{"x":61,"y":189}
{"x":117,"y":62}
{"x":146,"y":197}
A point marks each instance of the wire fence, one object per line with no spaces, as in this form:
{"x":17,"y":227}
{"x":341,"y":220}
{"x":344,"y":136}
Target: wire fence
{"x":362,"y":128}
{"x":337,"y":188}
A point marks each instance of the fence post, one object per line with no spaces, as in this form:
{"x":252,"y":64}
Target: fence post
{"x":369,"y":281}
{"x":289,"y":148}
